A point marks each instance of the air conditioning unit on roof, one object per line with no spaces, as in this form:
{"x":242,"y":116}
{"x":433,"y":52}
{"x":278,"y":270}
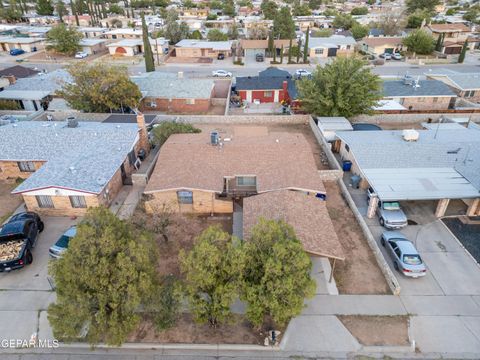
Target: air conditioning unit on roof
{"x":410,"y":135}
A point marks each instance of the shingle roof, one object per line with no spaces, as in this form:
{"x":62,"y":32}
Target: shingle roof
{"x":379,"y":41}
{"x":18,"y":71}
{"x":307,"y":215}
{"x":397,"y":88}
{"x":462,"y":81}
{"x":449,"y":27}
{"x":173,"y":87}
{"x":279,"y":160}
{"x":203,"y":44}
{"x":49,"y":82}
{"x":331,"y":41}
{"x":271,"y":78}
{"x":83,"y":158}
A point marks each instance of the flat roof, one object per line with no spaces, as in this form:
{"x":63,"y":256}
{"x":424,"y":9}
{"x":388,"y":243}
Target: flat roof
{"x":336,"y":123}
{"x":23,"y":94}
{"x":397,"y":88}
{"x":307,"y":215}
{"x":20,"y":40}
{"x":204,"y":44}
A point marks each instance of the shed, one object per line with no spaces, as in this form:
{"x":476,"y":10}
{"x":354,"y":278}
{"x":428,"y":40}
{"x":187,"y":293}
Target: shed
{"x":330,"y":125}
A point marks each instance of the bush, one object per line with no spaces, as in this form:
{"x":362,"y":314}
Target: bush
{"x":164,"y":130}
{"x":9,"y":105}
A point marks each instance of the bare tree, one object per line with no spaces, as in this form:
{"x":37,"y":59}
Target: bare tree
{"x":391,"y":23}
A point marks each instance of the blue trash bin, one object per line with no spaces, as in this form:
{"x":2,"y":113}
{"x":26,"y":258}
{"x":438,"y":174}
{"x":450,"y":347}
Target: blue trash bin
{"x":347,"y":165}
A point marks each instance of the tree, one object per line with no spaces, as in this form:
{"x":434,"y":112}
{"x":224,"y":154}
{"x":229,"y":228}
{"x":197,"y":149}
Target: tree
{"x":147,"y":48}
{"x":415,"y":20}
{"x":299,"y":52}
{"x":100,"y":88}
{"x":271,"y":44}
{"x":196,"y":34}
{"x":439,"y":44}
{"x":472,"y":15}
{"x":322,"y":33}
{"x":305,"y":49}
{"x":429,"y":5}
{"x":314,"y":4}
{"x":359,"y":31}
{"x":212,"y":17}
{"x":9,"y":105}
{"x":391,"y":23}
{"x":420,"y":42}
{"x":162,"y":132}
{"x":283,"y":25}
{"x":343,"y":88}
{"x":212,"y":271}
{"x":300,"y":9}
{"x":232,"y":33}
{"x":362,"y":10}
{"x":281,"y":54}
{"x":290,"y":52}
{"x":258,"y":32}
{"x":269,"y":9}
{"x":229,"y":8}
{"x":216,"y":35}
{"x":461,"y":57}
{"x":64,"y":39}
{"x":102,"y":279}
{"x":44,"y":7}
{"x":343,"y":21}
{"x":115,"y":9}
{"x":61,"y":9}
{"x":276,"y":274}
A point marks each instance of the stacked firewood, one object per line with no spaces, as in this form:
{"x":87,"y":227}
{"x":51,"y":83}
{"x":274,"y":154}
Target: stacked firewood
{"x":9,"y":250}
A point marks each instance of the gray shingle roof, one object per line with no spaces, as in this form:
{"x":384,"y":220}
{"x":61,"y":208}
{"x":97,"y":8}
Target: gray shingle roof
{"x":331,"y":41}
{"x":204,"y":44}
{"x":83,"y":158}
{"x":50,"y":82}
{"x":463,"y":81}
{"x":396,"y":88}
{"x":168,"y":85}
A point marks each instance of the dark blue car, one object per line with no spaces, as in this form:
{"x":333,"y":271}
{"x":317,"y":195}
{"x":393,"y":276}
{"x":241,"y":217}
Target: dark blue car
{"x":15,"y":52}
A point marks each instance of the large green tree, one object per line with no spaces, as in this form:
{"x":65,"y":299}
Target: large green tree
{"x":419,"y":41}
{"x":343,"y":21}
{"x":415,"y":19}
{"x":216,"y":35}
{"x":461,"y":57}
{"x":429,"y":5}
{"x":359,"y":31}
{"x":64,"y":39}
{"x":147,"y":48}
{"x":277,"y":273}
{"x":269,"y":9}
{"x":100,"y":88}
{"x":102,"y":280}
{"x":44,"y":7}
{"x":342,"y":88}
{"x":283,"y":25}
{"x":61,"y":9}
{"x":213,"y":271}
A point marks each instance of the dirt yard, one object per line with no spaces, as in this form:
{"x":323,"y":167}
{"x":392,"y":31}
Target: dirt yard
{"x":8,"y":202}
{"x":378,"y":330}
{"x":359,"y":273}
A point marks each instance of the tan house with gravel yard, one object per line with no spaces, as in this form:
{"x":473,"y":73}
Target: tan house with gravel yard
{"x":70,"y":166}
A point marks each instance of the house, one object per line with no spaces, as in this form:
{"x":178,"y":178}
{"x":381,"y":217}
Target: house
{"x":270,"y":86}
{"x":194,"y":12}
{"x":132,"y":47}
{"x":204,"y":173}
{"x":33,"y":31}
{"x":419,"y":94}
{"x":127,"y":33}
{"x":35,"y":93}
{"x":335,"y":45}
{"x":70,"y":166}
{"x":93,"y":46}
{"x":380,"y":45}
{"x":203,"y":48}
{"x":465,"y":85}
{"x":454,"y":36}
{"x":83,"y":20}
{"x":35,"y":19}
{"x":176,"y":95}
{"x":92,"y":32}
{"x":18,"y":72}
{"x":251,"y":48}
{"x":27,"y":44}
{"x":438,"y":164}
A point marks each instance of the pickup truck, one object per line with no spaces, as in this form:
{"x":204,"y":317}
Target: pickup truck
{"x":17,"y":239}
{"x":389,"y":213}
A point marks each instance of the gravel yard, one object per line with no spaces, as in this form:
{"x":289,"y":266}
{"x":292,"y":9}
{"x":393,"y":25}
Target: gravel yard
{"x":467,"y":233}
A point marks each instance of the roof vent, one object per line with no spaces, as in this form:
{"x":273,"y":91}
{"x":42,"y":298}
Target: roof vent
{"x":408,"y":80}
{"x":101,"y":181}
{"x":410,"y":135}
{"x":72,"y":122}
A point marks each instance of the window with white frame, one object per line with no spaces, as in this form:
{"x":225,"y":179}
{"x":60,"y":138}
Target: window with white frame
{"x":44,"y":201}
{"x":26,"y":166}
{"x":185,"y":197}
{"x":267,"y":94}
{"x":319,"y":51}
{"x":78,"y":201}
{"x":190,"y":101}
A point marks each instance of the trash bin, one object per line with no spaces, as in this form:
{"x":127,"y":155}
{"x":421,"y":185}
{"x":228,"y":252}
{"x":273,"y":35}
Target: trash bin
{"x":355,"y":181}
{"x":347,"y":165}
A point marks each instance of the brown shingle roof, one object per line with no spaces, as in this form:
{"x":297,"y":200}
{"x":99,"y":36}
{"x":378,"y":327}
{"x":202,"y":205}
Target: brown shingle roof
{"x":279,"y":160}
{"x":262,"y":44}
{"x":379,"y":41}
{"x":449,"y":27}
{"x":307,"y":215}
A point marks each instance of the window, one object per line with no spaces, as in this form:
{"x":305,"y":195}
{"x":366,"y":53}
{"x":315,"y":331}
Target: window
{"x":420,"y":99}
{"x":44,"y":201}
{"x":348,"y":47}
{"x":246,"y":181}
{"x":26,"y":166}
{"x":190,"y":101}
{"x":78,"y":201}
{"x":347,"y":148}
{"x":267,"y":94}
{"x":469,"y":93}
{"x":185,"y":197}
{"x":318,"y":51}
{"x":435,"y":99}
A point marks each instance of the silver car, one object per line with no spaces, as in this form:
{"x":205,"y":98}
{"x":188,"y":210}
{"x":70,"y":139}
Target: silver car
{"x":406,"y":258}
{"x":62,"y":244}
{"x":390,"y":214}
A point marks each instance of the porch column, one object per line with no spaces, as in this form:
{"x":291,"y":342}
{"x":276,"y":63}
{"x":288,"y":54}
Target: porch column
{"x":372,"y":206}
{"x":441,"y":207}
{"x":472,"y":209}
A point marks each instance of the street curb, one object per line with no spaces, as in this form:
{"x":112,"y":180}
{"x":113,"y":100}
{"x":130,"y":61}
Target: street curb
{"x":160,"y":346}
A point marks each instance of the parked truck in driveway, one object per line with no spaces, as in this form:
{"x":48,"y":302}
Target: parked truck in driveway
{"x":17,"y":239}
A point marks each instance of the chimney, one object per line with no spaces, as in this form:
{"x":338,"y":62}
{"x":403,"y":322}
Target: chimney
{"x":140,"y":120}
{"x":11,"y":79}
{"x":285,"y":87}
{"x":143,"y":143}
{"x":180,"y":75}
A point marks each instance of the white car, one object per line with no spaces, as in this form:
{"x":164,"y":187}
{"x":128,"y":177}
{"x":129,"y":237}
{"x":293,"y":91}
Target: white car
{"x":221,"y":73}
{"x":397,"y":56}
{"x":302,"y":73}
{"x":386,"y":56}
{"x":81,"y":55}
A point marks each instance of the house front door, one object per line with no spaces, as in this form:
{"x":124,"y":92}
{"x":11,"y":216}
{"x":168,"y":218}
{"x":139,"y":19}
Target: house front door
{"x":332,"y":52}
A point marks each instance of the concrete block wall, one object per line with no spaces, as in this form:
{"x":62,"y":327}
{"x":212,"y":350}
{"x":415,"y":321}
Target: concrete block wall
{"x":410,"y":118}
{"x":237,"y":119}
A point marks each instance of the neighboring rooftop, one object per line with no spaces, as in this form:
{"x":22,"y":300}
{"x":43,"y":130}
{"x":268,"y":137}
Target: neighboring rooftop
{"x":47,"y":82}
{"x":397,"y":88}
{"x":20,"y":40}
{"x":335,"y":123}
{"x":262,"y":44}
{"x":379,"y":41}
{"x":18,"y":71}
{"x":279,"y":160}
{"x":271,"y":78}
{"x":307,"y":215}
{"x":173,"y":86}
{"x":331,"y":42}
{"x":459,"y":80}
{"x":456,"y":27}
{"x":84,"y":158}
{"x":204,"y":44}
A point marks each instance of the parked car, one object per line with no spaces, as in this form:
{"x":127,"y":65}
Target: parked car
{"x":15,"y":52}
{"x":62,"y":244}
{"x":405,"y":257}
{"x":221,"y":73}
{"x":259,"y":58}
{"x":81,"y":55}
{"x":302,"y":73}
{"x":386,"y":56}
{"x":389,"y":213}
{"x":397,"y":56}
{"x":221,"y":56}
{"x":17,"y":239}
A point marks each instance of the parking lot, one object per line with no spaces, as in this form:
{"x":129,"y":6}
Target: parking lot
{"x":450,"y":269}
